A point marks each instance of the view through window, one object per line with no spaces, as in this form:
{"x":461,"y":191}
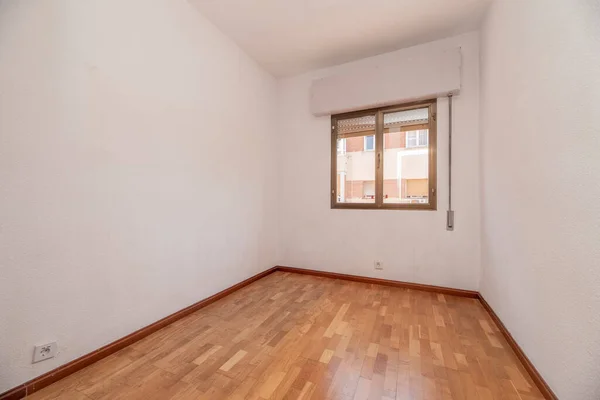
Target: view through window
{"x":385,"y":158}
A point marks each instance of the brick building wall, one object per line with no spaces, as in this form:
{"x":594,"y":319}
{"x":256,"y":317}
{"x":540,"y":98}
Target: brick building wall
{"x":391,"y":188}
{"x":354,"y":189}
{"x":355,"y":144}
{"x":393,"y":140}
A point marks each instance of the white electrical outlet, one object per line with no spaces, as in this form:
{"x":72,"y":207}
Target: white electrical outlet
{"x":378,"y":265}
{"x":44,"y":352}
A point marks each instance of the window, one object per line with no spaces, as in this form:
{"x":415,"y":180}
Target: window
{"x":385,"y":158}
{"x":416,"y":138}
{"x":370,"y":143}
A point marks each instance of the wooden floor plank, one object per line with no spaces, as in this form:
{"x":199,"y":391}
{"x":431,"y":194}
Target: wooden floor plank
{"x":292,"y":336}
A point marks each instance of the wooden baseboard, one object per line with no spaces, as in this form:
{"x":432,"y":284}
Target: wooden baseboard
{"x":386,"y":282}
{"x":531,"y":370}
{"x":63,"y":371}
{"x":14,"y":394}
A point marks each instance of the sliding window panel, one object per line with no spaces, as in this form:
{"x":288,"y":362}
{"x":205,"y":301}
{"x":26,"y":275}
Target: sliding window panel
{"x":406,"y":156}
{"x":353,"y":174}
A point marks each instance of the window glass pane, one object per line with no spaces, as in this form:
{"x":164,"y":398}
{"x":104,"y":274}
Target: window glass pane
{"x":341,"y":146}
{"x":355,"y":175}
{"x":359,"y":124}
{"x":369,"y":143}
{"x":406,"y":157}
{"x":407,"y":117}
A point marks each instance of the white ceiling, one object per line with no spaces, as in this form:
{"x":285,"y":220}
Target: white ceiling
{"x":288,"y":37}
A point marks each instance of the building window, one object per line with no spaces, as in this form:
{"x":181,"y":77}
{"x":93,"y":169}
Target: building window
{"x":370,"y":143}
{"x":385,"y":158}
{"x":417,"y":138}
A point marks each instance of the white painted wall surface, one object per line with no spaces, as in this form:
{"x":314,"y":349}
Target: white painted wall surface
{"x":116,"y":208}
{"x":540,"y":187}
{"x":413,"y":245}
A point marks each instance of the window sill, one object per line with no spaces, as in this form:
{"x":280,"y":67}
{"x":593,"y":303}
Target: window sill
{"x":359,"y":206}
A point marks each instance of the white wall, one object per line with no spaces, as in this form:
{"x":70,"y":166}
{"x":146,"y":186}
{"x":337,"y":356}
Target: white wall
{"x":413,"y":245}
{"x":540,"y":186}
{"x":115,"y":206}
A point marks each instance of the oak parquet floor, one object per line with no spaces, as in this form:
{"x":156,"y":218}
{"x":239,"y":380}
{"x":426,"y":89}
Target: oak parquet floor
{"x":293,"y":336}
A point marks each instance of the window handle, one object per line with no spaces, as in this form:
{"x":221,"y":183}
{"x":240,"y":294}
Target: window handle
{"x":378,"y":160}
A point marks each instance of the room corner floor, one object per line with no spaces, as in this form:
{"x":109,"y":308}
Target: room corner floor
{"x":297,"y":336}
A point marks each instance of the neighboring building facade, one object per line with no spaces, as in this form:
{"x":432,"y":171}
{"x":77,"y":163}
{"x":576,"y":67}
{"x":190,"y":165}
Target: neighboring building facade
{"x":405,"y":159}
{"x":405,"y":167}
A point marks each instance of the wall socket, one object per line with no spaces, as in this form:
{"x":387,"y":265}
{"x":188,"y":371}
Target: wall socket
{"x":378,"y":265}
{"x":44,"y":352}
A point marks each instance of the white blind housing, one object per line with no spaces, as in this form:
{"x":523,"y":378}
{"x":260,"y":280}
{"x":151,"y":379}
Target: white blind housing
{"x":422,"y":75}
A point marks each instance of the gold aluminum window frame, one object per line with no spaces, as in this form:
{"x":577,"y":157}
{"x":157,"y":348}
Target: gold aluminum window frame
{"x":379,"y":154}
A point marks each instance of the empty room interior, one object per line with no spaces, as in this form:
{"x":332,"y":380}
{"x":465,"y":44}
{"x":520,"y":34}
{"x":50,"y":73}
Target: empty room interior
{"x":300,"y":199}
